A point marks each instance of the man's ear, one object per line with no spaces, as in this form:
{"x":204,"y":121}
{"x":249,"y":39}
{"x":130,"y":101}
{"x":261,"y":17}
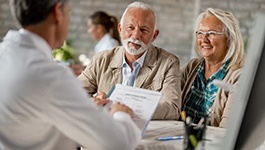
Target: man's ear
{"x":119,"y":27}
{"x":58,"y":12}
{"x":155,"y":35}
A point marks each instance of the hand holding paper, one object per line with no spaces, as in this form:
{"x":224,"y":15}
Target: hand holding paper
{"x":100,"y":102}
{"x":143,"y":102}
{"x":121,"y":107}
{"x":226,"y":86}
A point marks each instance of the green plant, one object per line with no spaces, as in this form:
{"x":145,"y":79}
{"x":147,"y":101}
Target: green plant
{"x":65,"y":54}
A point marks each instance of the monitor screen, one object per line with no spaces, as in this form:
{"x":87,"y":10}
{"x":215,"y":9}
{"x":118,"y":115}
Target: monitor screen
{"x":246,"y":127}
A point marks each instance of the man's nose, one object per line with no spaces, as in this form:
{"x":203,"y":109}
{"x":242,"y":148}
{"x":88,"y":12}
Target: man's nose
{"x":136,"y":34}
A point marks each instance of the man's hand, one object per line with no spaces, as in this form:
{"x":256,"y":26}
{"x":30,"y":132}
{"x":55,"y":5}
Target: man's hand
{"x":100,"y":102}
{"x":101,"y":95}
{"x":100,"y":99}
{"x":121,"y":107}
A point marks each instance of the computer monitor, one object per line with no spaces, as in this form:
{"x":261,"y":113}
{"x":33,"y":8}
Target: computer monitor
{"x":246,"y":127}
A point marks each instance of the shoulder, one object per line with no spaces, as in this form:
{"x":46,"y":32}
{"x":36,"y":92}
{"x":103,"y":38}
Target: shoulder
{"x":51,"y":71}
{"x":108,"y":54}
{"x":192,"y":64}
{"x":106,"y":58}
{"x":163,"y":54}
{"x":188,"y":71}
{"x":233,"y":75}
{"x":114,"y":42}
{"x":110,"y":44}
{"x":110,"y":41}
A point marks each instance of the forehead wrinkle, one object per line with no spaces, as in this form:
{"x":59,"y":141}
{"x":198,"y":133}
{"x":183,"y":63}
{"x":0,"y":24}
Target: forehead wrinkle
{"x":139,"y":17}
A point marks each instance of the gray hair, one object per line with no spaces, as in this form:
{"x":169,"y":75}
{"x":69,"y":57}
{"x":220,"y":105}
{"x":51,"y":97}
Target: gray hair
{"x":235,"y":52}
{"x":140,"y":5}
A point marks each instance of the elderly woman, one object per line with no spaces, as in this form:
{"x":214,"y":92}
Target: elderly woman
{"x":220,"y":48}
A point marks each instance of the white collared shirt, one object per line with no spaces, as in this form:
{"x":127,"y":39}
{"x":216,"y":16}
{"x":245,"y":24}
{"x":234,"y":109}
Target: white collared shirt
{"x":127,"y":71}
{"x":106,"y":43}
{"x":44,"y":107}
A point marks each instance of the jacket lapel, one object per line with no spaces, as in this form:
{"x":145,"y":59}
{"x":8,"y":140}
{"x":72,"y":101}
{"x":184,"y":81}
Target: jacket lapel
{"x":115,"y":65}
{"x":149,"y":63}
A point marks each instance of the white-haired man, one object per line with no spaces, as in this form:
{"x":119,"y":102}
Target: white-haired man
{"x":42,"y":104}
{"x":137,"y":63}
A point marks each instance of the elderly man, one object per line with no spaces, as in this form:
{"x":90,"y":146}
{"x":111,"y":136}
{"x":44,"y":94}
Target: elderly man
{"x":42,"y":104}
{"x":137,"y":63}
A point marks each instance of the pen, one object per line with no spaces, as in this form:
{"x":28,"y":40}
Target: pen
{"x":183,"y":116}
{"x":170,"y":138}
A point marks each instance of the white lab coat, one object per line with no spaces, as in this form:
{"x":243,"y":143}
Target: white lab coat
{"x":44,"y":107}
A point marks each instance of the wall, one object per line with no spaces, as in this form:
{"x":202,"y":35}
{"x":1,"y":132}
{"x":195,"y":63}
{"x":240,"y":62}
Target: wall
{"x":175,"y":20}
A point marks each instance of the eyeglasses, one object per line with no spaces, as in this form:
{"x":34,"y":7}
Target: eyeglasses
{"x":209,"y":34}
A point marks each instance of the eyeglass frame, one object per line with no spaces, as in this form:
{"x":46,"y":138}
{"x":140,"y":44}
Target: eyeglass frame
{"x":208,"y":34}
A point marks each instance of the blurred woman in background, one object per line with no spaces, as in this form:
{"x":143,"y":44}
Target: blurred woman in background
{"x":103,"y":28}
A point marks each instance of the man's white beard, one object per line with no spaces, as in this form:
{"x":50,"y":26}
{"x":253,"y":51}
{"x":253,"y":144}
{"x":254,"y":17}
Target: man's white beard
{"x":132,"y":50}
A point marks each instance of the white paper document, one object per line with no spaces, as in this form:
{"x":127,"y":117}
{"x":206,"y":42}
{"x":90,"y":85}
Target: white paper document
{"x":143,"y":102}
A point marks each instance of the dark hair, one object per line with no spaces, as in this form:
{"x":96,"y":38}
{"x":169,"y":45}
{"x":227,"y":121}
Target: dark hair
{"x":29,"y":12}
{"x":110,"y":23}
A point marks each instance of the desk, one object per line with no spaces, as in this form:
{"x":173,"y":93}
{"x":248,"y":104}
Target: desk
{"x":157,"y":129}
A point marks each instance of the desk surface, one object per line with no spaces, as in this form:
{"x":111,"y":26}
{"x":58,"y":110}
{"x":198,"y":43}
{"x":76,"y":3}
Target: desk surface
{"x":157,"y":129}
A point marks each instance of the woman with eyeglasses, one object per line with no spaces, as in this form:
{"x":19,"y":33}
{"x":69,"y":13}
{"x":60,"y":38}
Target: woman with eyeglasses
{"x":220,"y":49}
{"x":103,"y":28}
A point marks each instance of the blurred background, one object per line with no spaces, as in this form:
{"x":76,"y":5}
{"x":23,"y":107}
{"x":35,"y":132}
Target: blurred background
{"x":175,"y":21}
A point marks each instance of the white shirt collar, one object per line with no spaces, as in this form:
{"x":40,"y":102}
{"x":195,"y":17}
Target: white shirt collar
{"x":139,"y":60}
{"x":38,"y":41}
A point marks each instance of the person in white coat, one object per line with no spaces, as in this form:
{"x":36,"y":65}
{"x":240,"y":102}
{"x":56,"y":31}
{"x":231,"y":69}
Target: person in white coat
{"x":103,"y":28}
{"x":42,"y":104}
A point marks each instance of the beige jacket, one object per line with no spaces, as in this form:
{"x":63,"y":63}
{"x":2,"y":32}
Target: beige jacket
{"x":224,"y":99}
{"x":160,"y":72}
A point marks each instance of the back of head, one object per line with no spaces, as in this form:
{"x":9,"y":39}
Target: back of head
{"x":102,"y":18}
{"x":30,"y":12}
{"x":110,"y":23}
{"x":235,"y":51}
{"x":143,"y":6}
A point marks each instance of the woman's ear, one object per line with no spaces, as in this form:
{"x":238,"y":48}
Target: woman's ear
{"x":100,"y":28}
